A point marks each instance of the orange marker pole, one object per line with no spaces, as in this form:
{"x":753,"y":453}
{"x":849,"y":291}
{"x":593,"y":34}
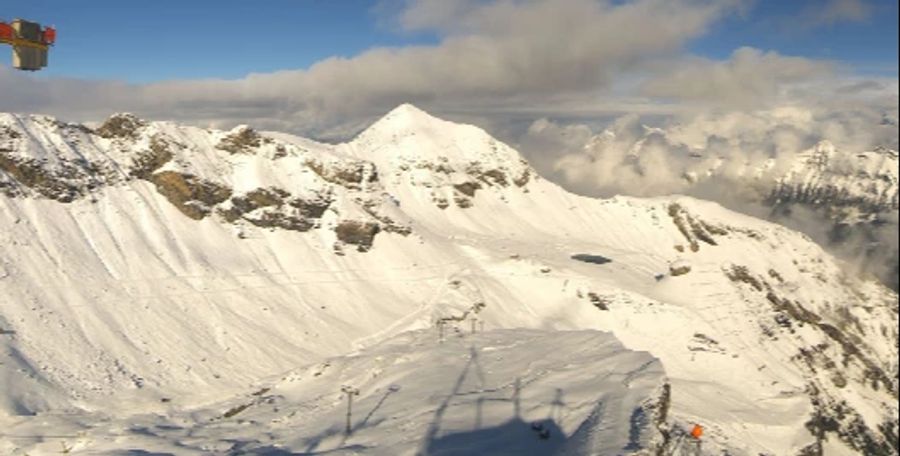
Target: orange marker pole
{"x":697,"y":432}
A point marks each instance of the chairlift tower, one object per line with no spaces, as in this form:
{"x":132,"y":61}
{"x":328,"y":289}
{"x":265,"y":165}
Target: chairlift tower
{"x":349,"y":391}
{"x":30,"y":43}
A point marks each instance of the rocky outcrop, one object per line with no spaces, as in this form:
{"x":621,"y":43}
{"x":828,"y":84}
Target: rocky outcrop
{"x":841,"y":359}
{"x":388,"y":225}
{"x":276,"y":208}
{"x":176,"y":159}
{"x":193,"y":196}
{"x":358,"y":233}
{"x":241,"y":140}
{"x":351,"y":175}
{"x":837,"y":418}
{"x":147,"y":162}
{"x":679,"y":268}
{"x":66,"y":183}
{"x":693,"y":229}
{"x":123,"y":126}
{"x":63,"y":179}
{"x":823,"y":178}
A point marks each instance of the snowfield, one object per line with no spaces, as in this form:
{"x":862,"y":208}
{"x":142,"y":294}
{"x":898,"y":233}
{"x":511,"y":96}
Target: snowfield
{"x":153,"y":277}
{"x":485,"y":393}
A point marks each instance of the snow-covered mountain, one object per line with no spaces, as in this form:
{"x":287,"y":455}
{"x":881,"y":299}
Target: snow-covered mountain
{"x":191,"y":290}
{"x":846,"y":199}
{"x":852,"y":188}
{"x":857,"y":193}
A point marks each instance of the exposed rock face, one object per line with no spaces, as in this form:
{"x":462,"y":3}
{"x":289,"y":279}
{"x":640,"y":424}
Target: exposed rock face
{"x":841,"y":359}
{"x":352,"y":175}
{"x":858,"y":195}
{"x":460,"y":182}
{"x":598,"y":301}
{"x":453,"y":162}
{"x":62,"y":186}
{"x":194,"y":178}
{"x":124,"y":126}
{"x":276,"y":208}
{"x":387,"y":224}
{"x":679,"y":268}
{"x":60,"y":178}
{"x":242,"y":139}
{"x":360,"y":234}
{"x":467,"y":188}
{"x":849,"y":187}
{"x":694,"y":229}
{"x":193,"y":196}
{"x":146,"y":162}
{"x":255,"y":199}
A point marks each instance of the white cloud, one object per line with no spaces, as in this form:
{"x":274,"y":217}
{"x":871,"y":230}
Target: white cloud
{"x":748,"y":79}
{"x":719,"y":156}
{"x":637,"y":156}
{"x":497,"y":53}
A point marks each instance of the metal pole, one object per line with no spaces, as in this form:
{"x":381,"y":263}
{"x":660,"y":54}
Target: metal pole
{"x":350,"y":392}
{"x":349,"y":411}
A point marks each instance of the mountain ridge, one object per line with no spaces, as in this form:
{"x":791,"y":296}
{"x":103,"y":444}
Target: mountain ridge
{"x":135,"y":240}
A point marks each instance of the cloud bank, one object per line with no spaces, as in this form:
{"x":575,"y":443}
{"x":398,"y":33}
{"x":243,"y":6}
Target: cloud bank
{"x":505,"y":53}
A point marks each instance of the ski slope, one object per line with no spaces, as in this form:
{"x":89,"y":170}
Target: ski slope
{"x":483,"y":393}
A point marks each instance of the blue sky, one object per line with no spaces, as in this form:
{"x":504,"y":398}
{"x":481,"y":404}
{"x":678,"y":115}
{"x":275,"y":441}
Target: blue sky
{"x":869,"y":46}
{"x":143,"y":41}
{"x":190,"y":39}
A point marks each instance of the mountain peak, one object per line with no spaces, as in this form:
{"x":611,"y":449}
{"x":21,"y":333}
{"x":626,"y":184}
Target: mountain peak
{"x":407,"y":131}
{"x":409,"y":123}
{"x":406,"y":117}
{"x":409,"y":109}
{"x":447,"y":160}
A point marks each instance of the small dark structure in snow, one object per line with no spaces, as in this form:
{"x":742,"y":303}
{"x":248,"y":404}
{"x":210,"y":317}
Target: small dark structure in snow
{"x":593,"y":259}
{"x":679,"y":267}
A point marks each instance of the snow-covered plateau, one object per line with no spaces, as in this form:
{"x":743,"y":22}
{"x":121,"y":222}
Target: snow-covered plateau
{"x":176,"y":290}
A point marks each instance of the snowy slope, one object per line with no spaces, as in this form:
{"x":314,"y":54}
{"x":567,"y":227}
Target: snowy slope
{"x":844,"y":198}
{"x":471,"y":394}
{"x":149,"y":261}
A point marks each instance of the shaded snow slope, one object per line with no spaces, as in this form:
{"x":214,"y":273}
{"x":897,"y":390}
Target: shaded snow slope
{"x":472,"y":394}
{"x":149,"y":261}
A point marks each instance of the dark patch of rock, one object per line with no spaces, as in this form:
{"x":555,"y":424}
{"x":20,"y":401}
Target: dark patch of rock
{"x":360,"y":234}
{"x":349,"y":175}
{"x":467,"y":188}
{"x":57,"y":186}
{"x":193,"y":196}
{"x":120,"y":126}
{"x":241,"y":140}
{"x":147,"y":162}
{"x":679,"y":269}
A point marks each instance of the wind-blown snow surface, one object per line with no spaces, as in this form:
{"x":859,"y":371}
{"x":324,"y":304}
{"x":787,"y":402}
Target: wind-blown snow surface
{"x":473,"y":394}
{"x":154,"y":268}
